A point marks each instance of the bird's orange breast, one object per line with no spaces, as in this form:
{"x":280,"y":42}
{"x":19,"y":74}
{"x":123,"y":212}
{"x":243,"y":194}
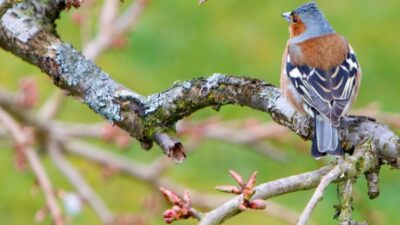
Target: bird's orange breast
{"x":323,"y":52}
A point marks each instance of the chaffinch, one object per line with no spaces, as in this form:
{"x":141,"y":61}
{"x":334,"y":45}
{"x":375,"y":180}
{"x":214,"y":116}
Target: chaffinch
{"x":320,"y":75}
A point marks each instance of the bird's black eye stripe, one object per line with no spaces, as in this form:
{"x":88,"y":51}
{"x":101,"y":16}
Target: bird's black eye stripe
{"x":294,"y":17}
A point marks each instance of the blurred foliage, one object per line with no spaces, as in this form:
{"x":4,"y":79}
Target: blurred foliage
{"x":180,"y":40}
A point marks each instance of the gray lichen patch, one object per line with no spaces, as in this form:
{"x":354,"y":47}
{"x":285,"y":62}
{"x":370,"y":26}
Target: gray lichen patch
{"x":166,"y":100}
{"x":211,"y":82}
{"x":386,"y":141}
{"x":19,"y":25}
{"x":95,"y":87}
{"x":284,"y":106}
{"x":125,"y":94}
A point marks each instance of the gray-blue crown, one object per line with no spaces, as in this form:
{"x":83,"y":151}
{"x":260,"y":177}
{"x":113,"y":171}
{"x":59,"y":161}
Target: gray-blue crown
{"x":308,"y":8}
{"x":315,"y":21}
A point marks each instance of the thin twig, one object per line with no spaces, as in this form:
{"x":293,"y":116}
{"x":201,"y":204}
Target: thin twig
{"x":362,"y":157}
{"x":153,"y":175}
{"x":267,"y":190}
{"x":83,"y":188}
{"x":318,"y":194}
{"x":260,"y":132}
{"x":361,"y":161}
{"x":111,"y":27}
{"x":70,"y":129}
{"x":108,"y":14}
{"x":372,"y":178}
{"x":202,"y":1}
{"x":37,"y":167}
{"x":374,"y":110}
{"x":93,"y":48}
{"x":96,"y":154}
{"x":128,"y":20}
{"x":51,"y":106}
{"x":236,"y":132}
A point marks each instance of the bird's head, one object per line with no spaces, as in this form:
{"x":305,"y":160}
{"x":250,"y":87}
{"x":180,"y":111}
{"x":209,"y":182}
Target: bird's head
{"x":307,"y":21}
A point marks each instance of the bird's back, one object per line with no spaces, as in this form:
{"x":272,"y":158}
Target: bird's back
{"x":322,"y":71}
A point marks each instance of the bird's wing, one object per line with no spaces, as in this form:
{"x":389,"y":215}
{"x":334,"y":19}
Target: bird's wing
{"x":328,"y":92}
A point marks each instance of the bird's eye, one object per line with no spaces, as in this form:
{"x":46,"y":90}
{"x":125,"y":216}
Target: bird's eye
{"x":294,"y":19}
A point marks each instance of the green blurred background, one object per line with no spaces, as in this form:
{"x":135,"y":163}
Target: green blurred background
{"x":180,"y":40}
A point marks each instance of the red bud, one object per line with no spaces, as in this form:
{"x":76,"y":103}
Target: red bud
{"x":258,"y":204}
{"x":228,"y":189}
{"x":187,"y":200}
{"x":169,"y":216}
{"x":252,"y":181}
{"x":247,"y":193}
{"x":170,"y":196}
{"x":237,"y":177}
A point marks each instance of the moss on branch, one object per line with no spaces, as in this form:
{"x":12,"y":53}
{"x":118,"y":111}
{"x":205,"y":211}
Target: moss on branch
{"x":29,"y":34}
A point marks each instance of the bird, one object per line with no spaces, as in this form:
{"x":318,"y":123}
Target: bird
{"x":320,"y":75}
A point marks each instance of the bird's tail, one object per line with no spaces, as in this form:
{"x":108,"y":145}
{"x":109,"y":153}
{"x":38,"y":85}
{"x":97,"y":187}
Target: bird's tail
{"x":326,"y":138}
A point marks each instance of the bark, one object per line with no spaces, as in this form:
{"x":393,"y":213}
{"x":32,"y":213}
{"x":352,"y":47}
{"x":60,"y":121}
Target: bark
{"x":27,"y":30}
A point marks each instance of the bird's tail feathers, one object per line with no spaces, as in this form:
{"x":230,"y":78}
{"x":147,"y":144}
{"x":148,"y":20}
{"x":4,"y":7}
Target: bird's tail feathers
{"x":326,"y":138}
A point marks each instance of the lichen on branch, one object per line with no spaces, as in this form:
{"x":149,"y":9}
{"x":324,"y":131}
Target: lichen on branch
{"x":149,"y":118}
{"x":27,"y":30}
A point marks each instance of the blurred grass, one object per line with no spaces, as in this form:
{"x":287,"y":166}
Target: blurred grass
{"x":179,"y":40}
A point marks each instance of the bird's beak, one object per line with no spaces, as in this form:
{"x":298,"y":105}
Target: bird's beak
{"x":286,"y":16}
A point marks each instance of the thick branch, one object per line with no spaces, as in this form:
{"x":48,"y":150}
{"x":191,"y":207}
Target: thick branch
{"x":146,"y":118}
{"x":27,"y":31}
{"x":5,"y":5}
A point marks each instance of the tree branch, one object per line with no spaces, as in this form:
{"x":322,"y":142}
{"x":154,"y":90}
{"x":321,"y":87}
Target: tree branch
{"x":21,"y":139}
{"x":5,"y":5}
{"x":346,"y":207}
{"x":271,"y":189}
{"x":111,"y":27}
{"x":145,"y":118}
{"x":80,"y":184}
{"x":152,"y":174}
{"x":362,"y":160}
{"x":28,"y":31}
{"x":373,"y":183}
{"x":319,"y":193}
